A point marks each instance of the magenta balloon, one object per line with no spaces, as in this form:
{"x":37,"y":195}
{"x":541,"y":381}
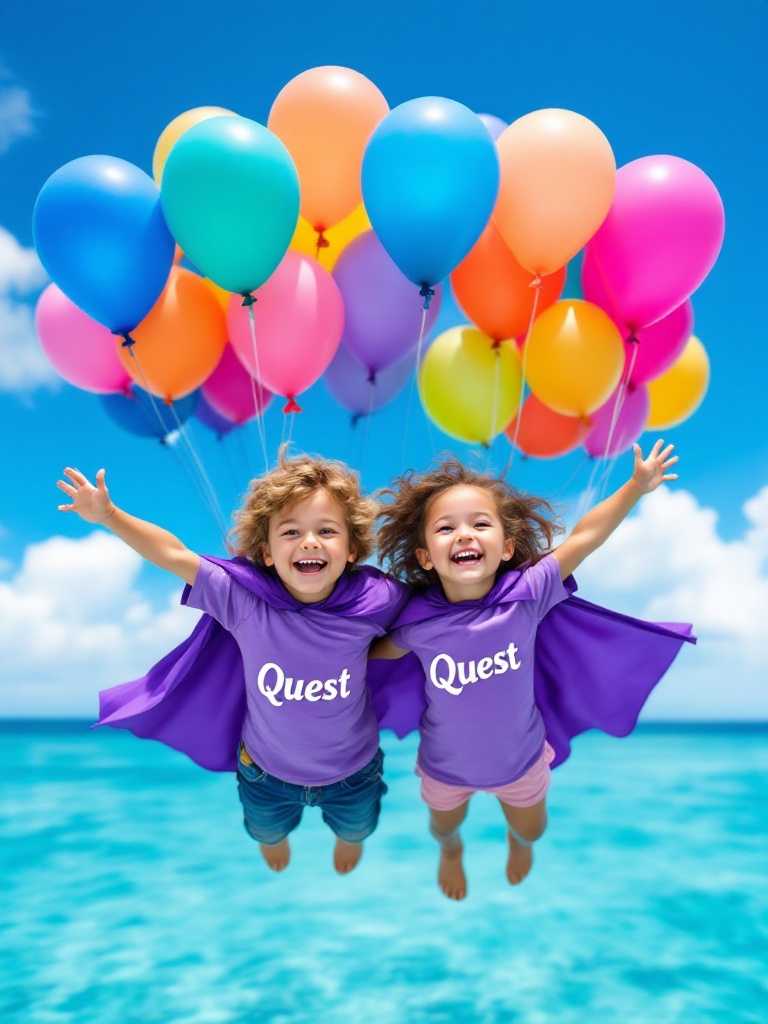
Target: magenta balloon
{"x":229,"y":390}
{"x":628,"y":427}
{"x":660,"y":239}
{"x":658,"y":346}
{"x":383,"y":308}
{"x":299,"y":323}
{"x":494,"y":124}
{"x":359,"y":390}
{"x":82,"y":351}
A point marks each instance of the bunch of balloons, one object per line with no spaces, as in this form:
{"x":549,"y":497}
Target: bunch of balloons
{"x":319,"y":242}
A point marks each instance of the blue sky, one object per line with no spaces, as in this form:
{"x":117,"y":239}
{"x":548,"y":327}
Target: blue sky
{"x":88,"y":77}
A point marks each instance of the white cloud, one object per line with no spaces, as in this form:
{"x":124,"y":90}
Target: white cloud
{"x":17,"y":115}
{"x":23,"y":364}
{"x":72,"y":622}
{"x":668,"y":562}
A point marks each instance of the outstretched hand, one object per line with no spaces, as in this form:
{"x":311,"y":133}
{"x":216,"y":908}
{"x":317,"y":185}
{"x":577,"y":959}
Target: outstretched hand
{"x":651,"y":472}
{"x":92,"y":504}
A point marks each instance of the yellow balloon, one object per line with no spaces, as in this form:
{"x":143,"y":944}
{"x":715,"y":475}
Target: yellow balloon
{"x":574,"y":357}
{"x":175,"y":129}
{"x":678,"y":392}
{"x":470,"y":385}
{"x":338,"y":237}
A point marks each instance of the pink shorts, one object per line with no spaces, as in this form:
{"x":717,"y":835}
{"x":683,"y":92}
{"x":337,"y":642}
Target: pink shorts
{"x":526,"y":791}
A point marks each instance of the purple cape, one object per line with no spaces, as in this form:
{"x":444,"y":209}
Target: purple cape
{"x":593,"y":668}
{"x":194,"y":698}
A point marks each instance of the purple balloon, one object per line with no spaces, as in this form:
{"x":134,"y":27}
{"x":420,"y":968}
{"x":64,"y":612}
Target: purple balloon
{"x":360,"y":390}
{"x":383,"y":308}
{"x":494,"y":124}
{"x":629,"y":425}
{"x":213,"y":420}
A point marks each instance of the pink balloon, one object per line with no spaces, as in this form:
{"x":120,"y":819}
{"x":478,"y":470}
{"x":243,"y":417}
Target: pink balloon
{"x":299,"y":324}
{"x":660,"y":239}
{"x":230,"y":388}
{"x":82,"y":351}
{"x":658,"y":346}
{"x":629,"y":425}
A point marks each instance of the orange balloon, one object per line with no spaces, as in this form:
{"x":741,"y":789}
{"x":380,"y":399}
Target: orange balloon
{"x":574,"y":357}
{"x":325,"y":117}
{"x":176,"y":129}
{"x":180,"y":341}
{"x":544,"y":433}
{"x":221,"y":294}
{"x":680,"y":390}
{"x":495,"y":291}
{"x":558,"y":176}
{"x":338,"y":237}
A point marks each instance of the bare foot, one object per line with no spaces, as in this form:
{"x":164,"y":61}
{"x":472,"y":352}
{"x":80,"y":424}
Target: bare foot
{"x":450,"y":875}
{"x":276,"y":856}
{"x":520,"y":860}
{"x":346,"y":856}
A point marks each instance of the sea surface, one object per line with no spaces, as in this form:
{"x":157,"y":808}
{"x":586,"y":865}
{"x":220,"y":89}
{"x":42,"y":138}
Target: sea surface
{"x":132,"y":895}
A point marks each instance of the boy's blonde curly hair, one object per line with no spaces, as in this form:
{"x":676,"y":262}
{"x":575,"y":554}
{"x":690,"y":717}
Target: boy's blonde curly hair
{"x":525,"y":518}
{"x":292,"y":480}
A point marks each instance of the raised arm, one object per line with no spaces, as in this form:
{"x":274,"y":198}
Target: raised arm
{"x":599,"y":523}
{"x":158,"y":546}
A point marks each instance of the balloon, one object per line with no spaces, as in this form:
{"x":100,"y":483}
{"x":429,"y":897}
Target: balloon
{"x":173,"y":131}
{"x":79,"y":349}
{"x":336,"y":239}
{"x":495,"y":291}
{"x":494,"y":124}
{"x":299,"y":320}
{"x":469,"y":384}
{"x":210,"y":418}
{"x":221,"y":295}
{"x":678,"y":392}
{"x":557,"y":181}
{"x":179,"y":344}
{"x":230,"y":390}
{"x":325,"y":117}
{"x":654,"y":348}
{"x":601,"y":441}
{"x":140,"y":414}
{"x":544,"y":433}
{"x":430,"y":178}
{"x":359,"y":390}
{"x":231,"y":197}
{"x":100,"y":234}
{"x":660,"y":239}
{"x":574,"y":357}
{"x":383,"y":311}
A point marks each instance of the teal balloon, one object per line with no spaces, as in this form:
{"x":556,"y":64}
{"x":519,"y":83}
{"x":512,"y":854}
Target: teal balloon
{"x":230,"y":195}
{"x":430,"y":178}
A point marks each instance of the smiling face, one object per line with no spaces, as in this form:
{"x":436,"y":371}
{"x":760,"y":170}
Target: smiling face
{"x":465,"y":542}
{"x":308,"y":544}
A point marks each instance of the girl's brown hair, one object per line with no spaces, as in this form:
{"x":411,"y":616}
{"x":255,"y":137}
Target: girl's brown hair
{"x":292,"y":480}
{"x":525,"y":519}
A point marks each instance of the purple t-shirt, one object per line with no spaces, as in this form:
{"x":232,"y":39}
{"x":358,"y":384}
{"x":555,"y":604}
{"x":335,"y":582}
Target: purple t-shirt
{"x":482,"y":727}
{"x":309,"y":719}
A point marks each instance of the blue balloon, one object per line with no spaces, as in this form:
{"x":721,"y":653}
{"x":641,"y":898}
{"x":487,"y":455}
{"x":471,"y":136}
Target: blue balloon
{"x":213,"y":420}
{"x":100,"y":233}
{"x":358,"y":390}
{"x":140,"y":414}
{"x":430,"y":178}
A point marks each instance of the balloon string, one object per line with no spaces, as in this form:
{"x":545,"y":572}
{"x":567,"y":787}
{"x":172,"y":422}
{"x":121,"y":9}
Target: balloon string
{"x":572,"y":477}
{"x":322,"y":243}
{"x":495,"y":406}
{"x":621,"y":394}
{"x":536,"y":285}
{"x":371,"y":396}
{"x":249,"y":300}
{"x":207,"y":485}
{"x":291,"y":420}
{"x":427,"y":294}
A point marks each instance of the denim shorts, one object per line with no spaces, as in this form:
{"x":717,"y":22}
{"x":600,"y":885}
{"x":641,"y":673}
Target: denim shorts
{"x":272,"y":808}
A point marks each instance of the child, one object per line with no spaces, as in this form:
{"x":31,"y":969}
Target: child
{"x":474,"y":635}
{"x":302,"y":612}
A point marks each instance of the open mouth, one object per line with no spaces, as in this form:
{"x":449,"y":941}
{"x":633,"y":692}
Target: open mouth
{"x":468,"y":557}
{"x":309,"y":566}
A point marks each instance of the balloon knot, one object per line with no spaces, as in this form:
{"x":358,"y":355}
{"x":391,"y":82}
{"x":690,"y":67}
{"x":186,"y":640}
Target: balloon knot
{"x":168,"y":401}
{"x":371,"y":377}
{"x":536,"y":282}
{"x":249,"y":300}
{"x":427,"y":294}
{"x":128,"y":341}
{"x":354,"y":419}
{"x":292,"y":406}
{"x":322,"y":241}
{"x":496,"y":344}
{"x":633,"y":339}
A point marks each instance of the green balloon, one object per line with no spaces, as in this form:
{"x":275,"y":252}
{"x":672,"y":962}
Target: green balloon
{"x":230,"y":195}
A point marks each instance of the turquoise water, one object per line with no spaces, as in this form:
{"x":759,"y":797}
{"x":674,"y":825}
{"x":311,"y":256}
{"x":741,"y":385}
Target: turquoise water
{"x":132,"y":894}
